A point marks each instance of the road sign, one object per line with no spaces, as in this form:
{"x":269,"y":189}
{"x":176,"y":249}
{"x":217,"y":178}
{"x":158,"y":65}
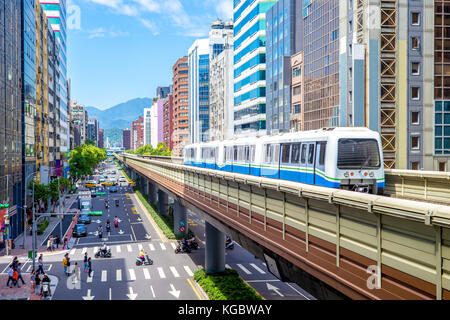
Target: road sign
{"x":95,"y":213}
{"x":182,"y":229}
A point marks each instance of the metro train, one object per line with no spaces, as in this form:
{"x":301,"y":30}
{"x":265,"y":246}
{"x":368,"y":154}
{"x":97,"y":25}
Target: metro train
{"x":342,"y":158}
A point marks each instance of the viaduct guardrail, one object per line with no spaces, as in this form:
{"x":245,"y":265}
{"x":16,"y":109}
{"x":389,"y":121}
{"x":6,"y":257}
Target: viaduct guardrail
{"x":365,"y":246}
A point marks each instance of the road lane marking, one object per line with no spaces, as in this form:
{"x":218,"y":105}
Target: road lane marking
{"x":140,"y":246}
{"x":175,"y":272}
{"x":89,"y":279}
{"x":146,"y":274}
{"x":174,"y":246}
{"x":118,"y":275}
{"x":153,"y":292}
{"x":244,"y":268}
{"x":188,"y":271}
{"x":72,"y":252}
{"x":104,"y":275}
{"x":118,"y":249}
{"x":257,"y":268}
{"x":163,"y":247}
{"x":95,"y":250}
{"x":228,"y":266}
{"x":129,"y":248}
{"x":161,"y":273}
{"x":132,"y":274}
{"x":84,"y":250}
{"x":50,"y":267}
{"x":151,"y":247}
{"x":195,"y":290}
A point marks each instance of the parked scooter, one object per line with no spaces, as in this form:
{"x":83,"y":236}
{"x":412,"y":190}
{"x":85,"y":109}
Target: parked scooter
{"x":182,"y":248}
{"x":146,"y":262}
{"x":229,"y":244}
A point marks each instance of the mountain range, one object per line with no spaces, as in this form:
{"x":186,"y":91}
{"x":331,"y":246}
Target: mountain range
{"x":120,"y":116}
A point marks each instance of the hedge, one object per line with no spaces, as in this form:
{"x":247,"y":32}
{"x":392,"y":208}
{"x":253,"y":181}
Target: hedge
{"x":165,"y":223}
{"x":227,"y":285}
{"x":42,"y":226}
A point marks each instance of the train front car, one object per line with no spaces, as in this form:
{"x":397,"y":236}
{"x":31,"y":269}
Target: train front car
{"x":358,"y":159}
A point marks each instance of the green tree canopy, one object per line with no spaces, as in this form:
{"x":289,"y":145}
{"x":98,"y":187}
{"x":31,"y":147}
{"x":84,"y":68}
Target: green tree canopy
{"x":90,"y":142}
{"x":83,"y":159}
{"x":148,"y":150}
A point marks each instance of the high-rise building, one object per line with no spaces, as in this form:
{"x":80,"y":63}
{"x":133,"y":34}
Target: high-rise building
{"x":284,"y":38}
{"x":180,"y":105}
{"x":168,"y":121}
{"x":101,"y":138}
{"x":157,"y":119}
{"x":79,"y":116}
{"x":250,"y":66}
{"x":126,"y":139}
{"x":11,"y":129}
{"x":198,"y":60}
{"x":92,"y":133}
{"x":163,"y":92}
{"x":137,"y":133}
{"x":221,"y":86}
{"x":296,"y":116}
{"x":147,"y":126}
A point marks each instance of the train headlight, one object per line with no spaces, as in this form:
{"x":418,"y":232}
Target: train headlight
{"x":371,"y":174}
{"x":346,"y":175}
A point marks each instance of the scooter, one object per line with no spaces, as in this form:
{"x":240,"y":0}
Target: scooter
{"x":229,"y":244}
{"x":101,"y":254}
{"x":193,"y":244}
{"x":182,"y":248}
{"x":147,"y":261}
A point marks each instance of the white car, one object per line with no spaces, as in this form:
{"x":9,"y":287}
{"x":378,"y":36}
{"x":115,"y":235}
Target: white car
{"x":122,"y":179}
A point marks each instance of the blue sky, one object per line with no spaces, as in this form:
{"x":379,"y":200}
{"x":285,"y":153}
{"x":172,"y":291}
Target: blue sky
{"x":123,"y":49}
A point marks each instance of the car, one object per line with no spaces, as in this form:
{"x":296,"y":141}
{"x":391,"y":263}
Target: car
{"x":122,"y":179}
{"x":84,"y":219}
{"x":113,"y":189}
{"x":79,"y":230}
{"x":107,"y":184}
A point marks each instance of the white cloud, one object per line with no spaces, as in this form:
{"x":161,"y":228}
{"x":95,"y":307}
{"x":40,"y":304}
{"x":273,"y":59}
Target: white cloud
{"x":97,"y":33}
{"x":150,"y":25}
{"x":149,"y":5}
{"x":225,"y":9}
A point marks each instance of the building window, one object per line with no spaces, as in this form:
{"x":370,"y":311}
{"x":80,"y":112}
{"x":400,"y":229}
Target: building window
{"x":415,"y":68}
{"x":442,"y":166}
{"x":414,"y":165}
{"x":415,"y":93}
{"x":415,"y":43}
{"x":442,"y":127}
{"x":297,"y":108}
{"x":415,"y":143}
{"x":297,"y":90}
{"x":415,"y":18}
{"x":297,"y":72}
{"x":415,"y":117}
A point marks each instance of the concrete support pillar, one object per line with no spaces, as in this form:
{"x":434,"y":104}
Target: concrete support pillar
{"x":180,"y":225}
{"x":215,"y":249}
{"x":152,"y":193}
{"x":163,"y":203}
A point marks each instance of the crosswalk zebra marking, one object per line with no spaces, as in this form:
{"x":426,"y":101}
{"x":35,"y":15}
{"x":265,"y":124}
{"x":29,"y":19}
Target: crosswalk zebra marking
{"x":104,"y":275}
{"x":95,"y":250}
{"x":244,"y":268}
{"x":188,"y":271}
{"x":132,"y":274}
{"x":175,"y":272}
{"x":129,"y":248}
{"x":84,"y":250}
{"x":174,"y":246}
{"x":146,"y":274}
{"x":89,"y":279}
{"x":118,"y":275}
{"x":151,"y":247}
{"x":140,"y":246}
{"x":72,"y":252}
{"x":161,"y":273}
{"x":118,"y":249}
{"x":163,"y":247}
{"x":257,"y":268}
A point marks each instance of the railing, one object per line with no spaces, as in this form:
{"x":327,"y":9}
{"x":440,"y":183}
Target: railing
{"x":407,"y":241}
{"x":430,"y":186}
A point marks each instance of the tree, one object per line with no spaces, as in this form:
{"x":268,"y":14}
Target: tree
{"x":83,"y":159}
{"x":90,"y":142}
{"x":148,"y":150}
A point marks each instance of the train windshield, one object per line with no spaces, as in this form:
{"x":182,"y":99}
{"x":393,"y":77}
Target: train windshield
{"x":358,"y":154}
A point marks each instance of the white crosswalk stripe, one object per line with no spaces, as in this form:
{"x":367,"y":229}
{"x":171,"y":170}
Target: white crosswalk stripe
{"x":151,"y":247}
{"x":118,"y":249}
{"x":89,"y":279}
{"x":84,"y":250}
{"x":95,"y":250}
{"x":174,"y":246}
{"x":72,"y":252}
{"x":175,"y":272}
{"x":129,"y":248}
{"x":257,"y":268}
{"x":140,"y":246}
{"x":132,"y":274}
{"x":188,"y":270}
{"x":118,"y":275}
{"x":104,"y":275}
{"x":163,"y":247}
{"x":161,"y":273}
{"x":146,"y":273}
{"x":244,"y":268}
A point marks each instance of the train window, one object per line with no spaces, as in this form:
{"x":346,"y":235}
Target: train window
{"x":285,"y":153}
{"x":276,"y":153}
{"x":358,"y":153}
{"x":247,"y":154}
{"x":225,"y":158}
{"x":235,"y":154}
{"x":311,"y":154}
{"x":322,"y":146}
{"x":295,"y":157}
{"x":304,"y":146}
{"x":252,"y":153}
{"x":268,"y":153}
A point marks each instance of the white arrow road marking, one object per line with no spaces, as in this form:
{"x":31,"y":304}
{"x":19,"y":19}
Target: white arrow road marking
{"x":147,"y":236}
{"x":151,"y":247}
{"x":132,"y":274}
{"x":161,"y":273}
{"x":163,"y":247}
{"x":175,"y":293}
{"x":146,"y":273}
{"x":139,"y":219}
{"x":104,"y":275}
{"x":131,"y":295}
{"x":153,"y":292}
{"x":89,"y":279}
{"x":88,"y":296}
{"x":118,"y":275}
{"x":228,"y":266}
{"x":188,"y":271}
{"x":244,"y":268}
{"x":175,"y":272}
{"x":118,"y":249}
{"x":129,"y":248}
{"x":257,"y":268}
{"x":174,"y":246}
{"x":272,"y":287}
{"x":121,"y":232}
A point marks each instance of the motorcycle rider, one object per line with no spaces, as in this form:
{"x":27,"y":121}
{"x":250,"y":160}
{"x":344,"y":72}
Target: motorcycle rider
{"x":46,"y":280}
{"x":142,"y":255}
{"x":104,"y":248}
{"x":106,"y":204}
{"x":184,"y":244}
{"x":108,"y":227}
{"x":116,"y":222}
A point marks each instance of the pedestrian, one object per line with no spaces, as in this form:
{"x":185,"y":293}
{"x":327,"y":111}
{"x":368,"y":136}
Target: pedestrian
{"x":65,"y":263}
{"x":89,"y":266}
{"x":76,"y":273}
{"x":53,"y":243}
{"x":15,"y":262}
{"x":38,"y":284}
{"x":33,"y":279}
{"x":49,"y":243}
{"x":15,"y":277}
{"x":57,"y":241}
{"x":65,"y":243}
{"x":40,"y":265}
{"x":68,"y":266}
{"x":10,"y":276}
{"x":19,"y":271}
{"x":85,"y":260}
